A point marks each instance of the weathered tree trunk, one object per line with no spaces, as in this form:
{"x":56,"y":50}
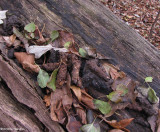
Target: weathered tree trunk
{"x":92,"y":24}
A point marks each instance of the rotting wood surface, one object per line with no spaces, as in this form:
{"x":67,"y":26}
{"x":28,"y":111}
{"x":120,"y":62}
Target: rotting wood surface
{"x":93,"y":24}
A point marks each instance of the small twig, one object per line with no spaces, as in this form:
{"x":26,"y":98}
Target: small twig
{"x":151,"y":30}
{"x":43,"y":28}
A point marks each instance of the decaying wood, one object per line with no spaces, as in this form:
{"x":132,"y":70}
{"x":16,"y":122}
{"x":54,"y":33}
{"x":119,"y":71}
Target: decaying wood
{"x":11,"y":110}
{"x":24,"y":90}
{"x":95,"y":25}
{"x":92,"y":24}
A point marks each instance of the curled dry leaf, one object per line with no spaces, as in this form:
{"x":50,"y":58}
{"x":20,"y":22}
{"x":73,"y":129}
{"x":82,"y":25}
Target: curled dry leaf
{"x":76,"y":64}
{"x":11,"y":41}
{"x":56,"y":108}
{"x":38,"y":35}
{"x":87,"y":100}
{"x":115,"y":74}
{"x":77,"y":92}
{"x":27,"y":61}
{"x":93,"y":53}
{"x":47,"y":100}
{"x":80,"y":112}
{"x":8,"y":41}
{"x":113,"y":71}
{"x":82,"y":96}
{"x":121,"y":124}
{"x":67,"y":103}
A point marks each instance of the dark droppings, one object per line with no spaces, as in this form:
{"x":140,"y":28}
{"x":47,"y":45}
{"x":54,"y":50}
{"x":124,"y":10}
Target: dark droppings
{"x":9,"y":23}
{"x":89,"y":79}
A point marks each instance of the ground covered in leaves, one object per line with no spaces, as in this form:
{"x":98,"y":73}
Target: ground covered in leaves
{"x":81,"y":89}
{"x":139,"y":14}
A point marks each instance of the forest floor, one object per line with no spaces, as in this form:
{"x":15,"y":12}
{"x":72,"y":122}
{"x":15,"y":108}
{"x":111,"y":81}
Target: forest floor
{"x":139,"y":14}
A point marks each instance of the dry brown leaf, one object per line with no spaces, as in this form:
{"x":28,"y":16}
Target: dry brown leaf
{"x":12,"y":38}
{"x":56,"y":108}
{"x":27,"y":61}
{"x":121,"y":124}
{"x":125,"y":81}
{"x":8,"y":41}
{"x":87,"y":100}
{"x":11,"y":41}
{"x":67,"y":103}
{"x":39,"y":35}
{"x":73,"y":125}
{"x":108,"y":66}
{"x":47,"y":100}
{"x":17,"y":43}
{"x":77,"y":92}
{"x":76,"y":64}
{"x":115,"y":74}
{"x":80,"y":112}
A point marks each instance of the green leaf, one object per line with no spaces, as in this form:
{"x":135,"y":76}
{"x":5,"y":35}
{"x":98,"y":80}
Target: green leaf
{"x":67,"y":44}
{"x":42,"y":78}
{"x":103,"y":106}
{"x":30,"y":27}
{"x":115,"y":97}
{"x":148,"y":79}
{"x":152,"y":96}
{"x":122,"y":89}
{"x":52,"y":82}
{"x":82,"y":52}
{"x":90,"y":128}
{"x":54,"y":35}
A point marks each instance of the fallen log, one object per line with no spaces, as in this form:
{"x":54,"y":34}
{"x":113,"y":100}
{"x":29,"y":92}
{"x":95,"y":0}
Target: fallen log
{"x":95,"y":25}
{"x":92,"y":24}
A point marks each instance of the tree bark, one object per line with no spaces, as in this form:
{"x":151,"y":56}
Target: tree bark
{"x":95,"y":25}
{"x":92,"y":24}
